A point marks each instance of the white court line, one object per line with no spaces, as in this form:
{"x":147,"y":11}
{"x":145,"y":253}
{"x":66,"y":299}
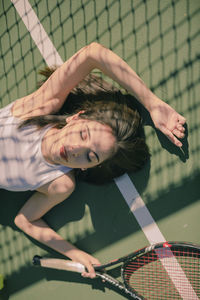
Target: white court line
{"x":154,"y":235}
{"x":139,"y":209}
{"x":38,"y":34}
{"x":125,"y":185}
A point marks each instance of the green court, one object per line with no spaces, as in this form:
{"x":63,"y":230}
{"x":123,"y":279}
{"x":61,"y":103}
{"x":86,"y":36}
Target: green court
{"x":160,"y":40}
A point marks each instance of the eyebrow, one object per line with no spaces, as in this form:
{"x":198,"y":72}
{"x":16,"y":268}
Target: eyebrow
{"x":88,"y":131}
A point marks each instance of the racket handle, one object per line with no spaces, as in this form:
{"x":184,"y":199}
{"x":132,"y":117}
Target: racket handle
{"x":59,"y":264}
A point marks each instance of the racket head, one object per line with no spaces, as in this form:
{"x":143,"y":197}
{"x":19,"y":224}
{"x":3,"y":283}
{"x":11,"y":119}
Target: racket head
{"x":164,"y":271}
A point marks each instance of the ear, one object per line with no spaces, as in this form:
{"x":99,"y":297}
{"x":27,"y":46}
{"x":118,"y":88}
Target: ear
{"x":75,"y":116}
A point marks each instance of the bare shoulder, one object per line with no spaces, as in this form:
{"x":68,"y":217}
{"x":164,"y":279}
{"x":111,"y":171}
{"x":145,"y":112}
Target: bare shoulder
{"x":61,"y":186}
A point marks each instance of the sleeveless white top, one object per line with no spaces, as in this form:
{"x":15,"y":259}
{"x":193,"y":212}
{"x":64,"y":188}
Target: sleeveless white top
{"x":22,"y":165}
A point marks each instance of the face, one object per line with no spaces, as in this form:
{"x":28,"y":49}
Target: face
{"x":83,"y":143}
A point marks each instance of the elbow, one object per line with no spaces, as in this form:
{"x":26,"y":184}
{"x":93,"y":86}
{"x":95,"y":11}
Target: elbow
{"x":94,"y":49}
{"x":94,"y":45}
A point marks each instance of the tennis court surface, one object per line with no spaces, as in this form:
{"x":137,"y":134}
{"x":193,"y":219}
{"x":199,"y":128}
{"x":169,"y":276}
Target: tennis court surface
{"x":160,"y":41}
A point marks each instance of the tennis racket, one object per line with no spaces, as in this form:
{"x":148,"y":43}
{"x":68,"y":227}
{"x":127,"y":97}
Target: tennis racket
{"x":169,"y":270}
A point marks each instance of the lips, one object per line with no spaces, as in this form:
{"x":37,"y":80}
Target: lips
{"x":63,"y":153}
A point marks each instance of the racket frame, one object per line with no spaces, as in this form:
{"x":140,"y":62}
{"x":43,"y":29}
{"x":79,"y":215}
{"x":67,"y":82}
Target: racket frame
{"x":101,"y":272}
{"x":170,"y":245}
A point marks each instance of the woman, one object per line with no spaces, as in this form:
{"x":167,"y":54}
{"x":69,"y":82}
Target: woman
{"x":82,"y":141}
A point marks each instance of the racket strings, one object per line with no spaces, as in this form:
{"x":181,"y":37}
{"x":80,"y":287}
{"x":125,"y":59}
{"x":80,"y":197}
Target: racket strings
{"x":165,"y":274}
{"x":117,"y":284}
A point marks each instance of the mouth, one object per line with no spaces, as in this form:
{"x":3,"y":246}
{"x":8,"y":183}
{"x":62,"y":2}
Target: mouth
{"x":63,"y":153}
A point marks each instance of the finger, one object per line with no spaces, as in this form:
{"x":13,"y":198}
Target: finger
{"x":95,"y":262}
{"x":181,"y":120}
{"x":171,"y":137}
{"x":181,"y":128}
{"x":90,"y":273}
{"x":178,"y":133}
{"x":85,"y":275}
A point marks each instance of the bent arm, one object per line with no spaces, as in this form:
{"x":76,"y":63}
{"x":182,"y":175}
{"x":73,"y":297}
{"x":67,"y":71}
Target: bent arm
{"x":50,"y":97}
{"x":40,"y":231}
{"x":29,"y":219}
{"x":165,"y":118}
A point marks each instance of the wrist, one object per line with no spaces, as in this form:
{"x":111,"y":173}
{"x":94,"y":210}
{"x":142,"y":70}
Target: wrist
{"x":73,"y":253}
{"x":153,"y":103}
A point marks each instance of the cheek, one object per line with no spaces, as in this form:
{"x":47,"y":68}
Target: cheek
{"x":71,"y":137}
{"x":80,"y":161}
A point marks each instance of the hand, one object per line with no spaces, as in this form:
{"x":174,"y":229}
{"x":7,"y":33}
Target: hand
{"x":167,"y":120}
{"x":87,"y":260}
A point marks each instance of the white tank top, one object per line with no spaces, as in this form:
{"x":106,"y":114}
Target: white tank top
{"x":22,"y":165}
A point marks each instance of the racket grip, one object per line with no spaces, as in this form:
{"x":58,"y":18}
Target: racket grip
{"x":59,"y":264}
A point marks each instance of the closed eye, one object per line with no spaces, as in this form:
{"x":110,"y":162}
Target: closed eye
{"x":83,"y":134}
{"x":92,"y":157}
{"x":88,"y":157}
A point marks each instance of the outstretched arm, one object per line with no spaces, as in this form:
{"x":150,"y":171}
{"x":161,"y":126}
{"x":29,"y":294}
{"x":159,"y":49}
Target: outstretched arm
{"x":29,"y":219}
{"x":50,"y":97}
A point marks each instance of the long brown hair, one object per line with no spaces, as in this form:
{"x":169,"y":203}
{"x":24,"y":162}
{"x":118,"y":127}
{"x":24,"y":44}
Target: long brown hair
{"x":106,"y":104}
